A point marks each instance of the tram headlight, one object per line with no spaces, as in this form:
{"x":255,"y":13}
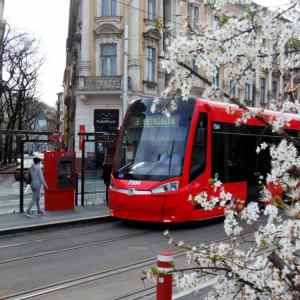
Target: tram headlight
{"x":166,"y":187}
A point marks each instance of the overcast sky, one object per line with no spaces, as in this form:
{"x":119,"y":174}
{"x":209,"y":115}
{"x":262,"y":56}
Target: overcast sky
{"x":48,"y":22}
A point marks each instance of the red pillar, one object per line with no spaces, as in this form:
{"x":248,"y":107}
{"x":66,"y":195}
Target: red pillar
{"x":164,"y":279}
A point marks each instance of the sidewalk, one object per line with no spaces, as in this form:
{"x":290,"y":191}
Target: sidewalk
{"x":11,"y":223}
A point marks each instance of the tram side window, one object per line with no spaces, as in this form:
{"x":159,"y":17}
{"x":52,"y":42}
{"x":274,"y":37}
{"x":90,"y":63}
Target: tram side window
{"x":228,"y":157}
{"x":199,"y":148}
{"x":234,"y":152}
{"x":235,"y":158}
{"x":218,"y":155}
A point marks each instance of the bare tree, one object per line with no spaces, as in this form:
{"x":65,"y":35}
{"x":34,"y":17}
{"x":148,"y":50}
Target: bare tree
{"x":18,"y":91}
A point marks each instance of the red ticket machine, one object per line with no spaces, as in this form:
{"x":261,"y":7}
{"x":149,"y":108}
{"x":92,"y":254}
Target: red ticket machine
{"x":59,"y":169}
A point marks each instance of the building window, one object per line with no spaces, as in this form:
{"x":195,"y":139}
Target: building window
{"x":286,"y":51}
{"x":253,"y":94}
{"x":168,"y":77}
{"x":151,"y":9}
{"x":196,"y":16}
{"x":232,"y":88}
{"x":150,"y":64}
{"x":194,"y":66}
{"x":274,"y":89}
{"x":190,"y":14}
{"x":108,"y":59}
{"x":168,"y":11}
{"x":263,"y":91}
{"x":193,"y":16}
{"x":247,"y":92}
{"x":109,"y":8}
{"x":216,"y":79}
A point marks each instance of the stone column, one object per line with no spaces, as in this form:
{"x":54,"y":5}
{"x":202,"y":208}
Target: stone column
{"x":270,"y":85}
{"x":281,"y":80}
{"x":1,"y":10}
{"x":257,"y":87}
{"x":85,"y":39}
{"x":134,"y":66}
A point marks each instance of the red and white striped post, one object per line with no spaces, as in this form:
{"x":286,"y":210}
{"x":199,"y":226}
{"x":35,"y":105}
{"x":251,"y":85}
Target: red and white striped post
{"x":164,"y":278}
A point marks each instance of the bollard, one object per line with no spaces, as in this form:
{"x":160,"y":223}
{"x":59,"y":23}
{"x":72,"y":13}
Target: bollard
{"x":164,"y":280}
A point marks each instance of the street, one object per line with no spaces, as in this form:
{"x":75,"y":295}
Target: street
{"x":99,"y":261}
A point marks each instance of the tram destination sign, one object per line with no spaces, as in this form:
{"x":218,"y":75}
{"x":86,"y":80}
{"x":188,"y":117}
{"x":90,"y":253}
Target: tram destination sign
{"x":154,"y":121}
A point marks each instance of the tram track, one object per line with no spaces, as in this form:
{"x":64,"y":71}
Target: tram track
{"x":59,"y":234}
{"x":40,"y":236}
{"x":138,"y":294}
{"x":41,"y":239}
{"x":76,"y":247}
{"x":55,"y":287}
{"x":74,"y":282}
{"x":62,"y":236}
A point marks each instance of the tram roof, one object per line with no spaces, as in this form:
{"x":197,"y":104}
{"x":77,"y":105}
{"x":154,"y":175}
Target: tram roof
{"x":223,"y":106}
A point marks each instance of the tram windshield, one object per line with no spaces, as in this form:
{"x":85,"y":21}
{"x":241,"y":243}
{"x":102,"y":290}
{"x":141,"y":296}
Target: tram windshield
{"x":153,"y":139}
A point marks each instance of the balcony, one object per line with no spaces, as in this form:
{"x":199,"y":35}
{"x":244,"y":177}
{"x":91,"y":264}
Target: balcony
{"x":101,"y":84}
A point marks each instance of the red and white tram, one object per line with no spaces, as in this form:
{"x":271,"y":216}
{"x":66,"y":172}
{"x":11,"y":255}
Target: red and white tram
{"x":162,"y":161}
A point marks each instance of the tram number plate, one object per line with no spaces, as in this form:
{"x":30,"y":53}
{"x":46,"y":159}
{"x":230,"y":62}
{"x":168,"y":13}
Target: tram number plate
{"x":134,"y":182}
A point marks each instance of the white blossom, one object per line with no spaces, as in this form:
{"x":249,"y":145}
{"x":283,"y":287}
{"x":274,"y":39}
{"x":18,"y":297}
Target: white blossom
{"x":271,"y":211}
{"x":231,"y":224}
{"x":251,"y":213}
{"x":241,"y":44}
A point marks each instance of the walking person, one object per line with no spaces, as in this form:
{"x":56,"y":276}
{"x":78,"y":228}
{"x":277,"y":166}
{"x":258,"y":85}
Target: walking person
{"x":106,"y":175}
{"x":37,"y":181}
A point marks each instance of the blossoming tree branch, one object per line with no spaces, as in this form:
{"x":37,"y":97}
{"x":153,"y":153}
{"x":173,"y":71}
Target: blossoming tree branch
{"x":241,"y":45}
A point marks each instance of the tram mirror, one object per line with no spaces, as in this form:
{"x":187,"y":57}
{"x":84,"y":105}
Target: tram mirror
{"x":65,"y":171}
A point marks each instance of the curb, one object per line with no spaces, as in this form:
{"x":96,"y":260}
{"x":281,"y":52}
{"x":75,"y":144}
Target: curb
{"x":8,"y":167}
{"x":53,"y":224}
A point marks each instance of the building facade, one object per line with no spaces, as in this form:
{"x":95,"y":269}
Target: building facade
{"x":266,"y":85}
{"x":96,"y":62}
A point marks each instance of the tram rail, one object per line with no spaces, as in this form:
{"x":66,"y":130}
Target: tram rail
{"x":55,"y":287}
{"x":59,"y":233}
{"x":73,"y":248}
{"x":62,"y":285}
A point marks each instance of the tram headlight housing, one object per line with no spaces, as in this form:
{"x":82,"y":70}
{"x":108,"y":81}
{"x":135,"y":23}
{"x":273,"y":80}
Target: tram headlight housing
{"x":172,"y":186}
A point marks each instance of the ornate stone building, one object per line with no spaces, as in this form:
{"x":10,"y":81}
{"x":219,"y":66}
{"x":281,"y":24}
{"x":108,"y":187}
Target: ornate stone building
{"x":94,"y":70}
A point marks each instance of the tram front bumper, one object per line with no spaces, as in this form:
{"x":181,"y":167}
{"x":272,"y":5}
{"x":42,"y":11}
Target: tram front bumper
{"x":148,"y":208}
{"x":136,"y":207}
